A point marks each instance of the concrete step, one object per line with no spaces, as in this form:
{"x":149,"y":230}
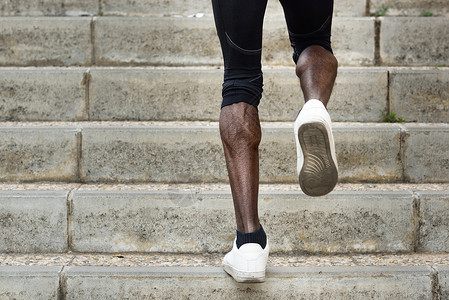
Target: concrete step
{"x":343,"y":8}
{"x":189,"y":152}
{"x":350,"y":8}
{"x":409,"y":7}
{"x":49,"y":7}
{"x":183,"y":219}
{"x":167,"y":94}
{"x":383,"y":280}
{"x":112,"y":41}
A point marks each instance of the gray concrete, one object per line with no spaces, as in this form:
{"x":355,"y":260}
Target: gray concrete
{"x":343,"y":8}
{"x":42,"y":95}
{"x":410,"y":7}
{"x":434,"y":230}
{"x":212,"y":283}
{"x":186,"y":222}
{"x":425,"y":153}
{"x":38,"y":153}
{"x":40,"y":283}
{"x":362,"y":153}
{"x":45,"y":41}
{"x":443,"y":277}
{"x":33,"y":221}
{"x":81,"y":7}
{"x":48,"y":7}
{"x":420,"y":95}
{"x":162,"y":154}
{"x":414,"y":41}
{"x":156,"y":94}
{"x":360,"y":94}
{"x":194,"y":153}
{"x":162,"y":41}
{"x":31,"y":8}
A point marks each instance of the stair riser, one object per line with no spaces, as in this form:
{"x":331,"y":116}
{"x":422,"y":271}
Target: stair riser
{"x":333,"y":283}
{"x":196,"y":155}
{"x":49,"y":7}
{"x":350,"y":8}
{"x":102,"y":221}
{"x":162,"y":41}
{"x":410,"y":7}
{"x":29,"y":154}
{"x":360,"y":94}
{"x":365,"y":153}
{"x":300,"y":284}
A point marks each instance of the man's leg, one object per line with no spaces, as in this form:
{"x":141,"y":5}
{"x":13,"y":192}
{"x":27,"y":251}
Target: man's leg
{"x":309,"y":23}
{"x":241,"y":134}
{"x":317,"y":70}
{"x":239,"y":27}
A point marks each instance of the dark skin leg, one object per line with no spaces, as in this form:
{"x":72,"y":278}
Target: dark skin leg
{"x":317,"y":70}
{"x":241,"y":134}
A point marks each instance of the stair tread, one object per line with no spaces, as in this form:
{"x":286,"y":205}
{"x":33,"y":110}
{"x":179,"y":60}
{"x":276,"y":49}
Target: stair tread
{"x":216,"y":187}
{"x":196,"y":124}
{"x":214,"y":260}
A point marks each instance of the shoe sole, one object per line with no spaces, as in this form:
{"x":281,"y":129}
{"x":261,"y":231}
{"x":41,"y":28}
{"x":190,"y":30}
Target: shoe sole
{"x":319,"y":174}
{"x":244,"y":277}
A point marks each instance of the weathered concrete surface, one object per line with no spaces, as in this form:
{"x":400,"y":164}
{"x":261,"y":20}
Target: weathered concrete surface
{"x":360,"y":94}
{"x":162,"y":41}
{"x":162,"y":154}
{"x":31,"y":7}
{"x":425,"y":153}
{"x":368,"y":153}
{"x":48,"y":7}
{"x":434,"y":230}
{"x":420,"y":95}
{"x":184,"y":222}
{"x":343,"y":8}
{"x":40,"y":283}
{"x":212,"y":283}
{"x":414,"y":41}
{"x":194,"y":153}
{"x":38,"y":153}
{"x":353,"y":41}
{"x":81,"y":7}
{"x":42,"y":95}
{"x":54,"y":41}
{"x":362,"y":153}
{"x":33,"y":221}
{"x":410,"y":7}
{"x":443,"y":277}
{"x":152,"y":94}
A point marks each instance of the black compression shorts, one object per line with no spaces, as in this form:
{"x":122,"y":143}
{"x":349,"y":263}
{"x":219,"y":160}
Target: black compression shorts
{"x":239,"y":28}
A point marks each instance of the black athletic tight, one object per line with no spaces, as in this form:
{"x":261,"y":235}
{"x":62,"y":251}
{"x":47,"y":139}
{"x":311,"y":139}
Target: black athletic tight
{"x":239,"y":28}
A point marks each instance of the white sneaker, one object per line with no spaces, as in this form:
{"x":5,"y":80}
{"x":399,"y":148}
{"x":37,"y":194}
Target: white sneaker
{"x":247,"y":264}
{"x":317,"y":162}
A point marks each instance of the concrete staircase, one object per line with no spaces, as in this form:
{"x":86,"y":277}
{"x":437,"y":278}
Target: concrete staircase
{"x":110,"y":145}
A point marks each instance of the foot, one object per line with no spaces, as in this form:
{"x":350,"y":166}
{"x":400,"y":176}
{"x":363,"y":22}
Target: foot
{"x":317,"y":162}
{"x":247,"y":263}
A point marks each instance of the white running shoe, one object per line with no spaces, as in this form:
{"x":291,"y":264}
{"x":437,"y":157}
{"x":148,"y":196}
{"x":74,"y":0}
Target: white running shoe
{"x":247,"y":264}
{"x":317,"y":162}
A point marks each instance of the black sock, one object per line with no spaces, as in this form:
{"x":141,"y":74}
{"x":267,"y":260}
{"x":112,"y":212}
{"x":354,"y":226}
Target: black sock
{"x":258,"y":237}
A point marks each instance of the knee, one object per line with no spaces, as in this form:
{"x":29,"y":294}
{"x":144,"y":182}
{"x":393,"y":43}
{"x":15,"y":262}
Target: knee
{"x":240,"y":127}
{"x":242,"y":87}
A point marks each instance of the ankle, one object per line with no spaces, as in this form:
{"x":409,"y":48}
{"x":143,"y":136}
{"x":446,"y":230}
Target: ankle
{"x":258,"y":237}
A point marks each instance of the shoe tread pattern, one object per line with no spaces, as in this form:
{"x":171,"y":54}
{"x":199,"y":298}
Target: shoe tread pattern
{"x":319,"y":174}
